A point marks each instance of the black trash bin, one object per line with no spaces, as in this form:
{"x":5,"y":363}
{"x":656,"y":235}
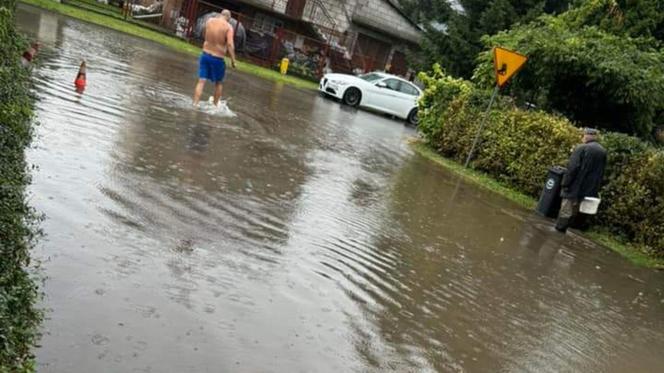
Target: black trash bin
{"x":549,"y":202}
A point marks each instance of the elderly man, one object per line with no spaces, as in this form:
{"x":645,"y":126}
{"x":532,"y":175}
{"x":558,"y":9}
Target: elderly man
{"x":583,"y":177}
{"x":212,"y":67}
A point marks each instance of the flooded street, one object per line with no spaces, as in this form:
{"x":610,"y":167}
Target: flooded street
{"x":299,"y":236}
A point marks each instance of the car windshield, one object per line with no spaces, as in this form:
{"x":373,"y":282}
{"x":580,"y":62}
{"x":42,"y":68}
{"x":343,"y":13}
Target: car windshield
{"x":371,"y":77}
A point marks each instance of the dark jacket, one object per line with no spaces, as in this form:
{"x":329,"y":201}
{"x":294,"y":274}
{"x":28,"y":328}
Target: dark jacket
{"x":584,"y":171}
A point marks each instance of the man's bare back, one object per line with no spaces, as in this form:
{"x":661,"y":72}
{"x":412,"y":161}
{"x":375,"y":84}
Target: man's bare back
{"x":218,"y":43}
{"x":218,"y":37}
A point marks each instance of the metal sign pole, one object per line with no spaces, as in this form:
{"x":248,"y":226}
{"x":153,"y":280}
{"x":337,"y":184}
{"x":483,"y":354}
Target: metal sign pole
{"x":479,"y":131}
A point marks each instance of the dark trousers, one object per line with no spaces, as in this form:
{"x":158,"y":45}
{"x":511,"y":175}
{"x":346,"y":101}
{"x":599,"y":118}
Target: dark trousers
{"x":569,"y":209}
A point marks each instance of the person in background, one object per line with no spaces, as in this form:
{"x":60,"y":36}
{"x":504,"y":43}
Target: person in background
{"x":583,"y":178}
{"x":29,"y":54}
{"x":81,"y":78}
{"x":218,"y":41}
{"x":240,"y":35}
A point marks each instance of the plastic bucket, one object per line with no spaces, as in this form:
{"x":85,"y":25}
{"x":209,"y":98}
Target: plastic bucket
{"x":589,"y":205}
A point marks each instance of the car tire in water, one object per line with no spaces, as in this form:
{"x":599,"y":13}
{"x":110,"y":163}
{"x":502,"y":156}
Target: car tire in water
{"x":352,"y":97}
{"x":413,"y":119}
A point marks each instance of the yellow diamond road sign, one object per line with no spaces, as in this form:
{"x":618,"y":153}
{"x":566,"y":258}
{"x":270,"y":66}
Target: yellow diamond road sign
{"x":506,"y":63}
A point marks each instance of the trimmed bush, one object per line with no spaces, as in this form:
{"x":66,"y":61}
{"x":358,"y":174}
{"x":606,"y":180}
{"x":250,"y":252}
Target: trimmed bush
{"x":518,"y":146}
{"x":633,"y":196}
{"x":19,"y":318}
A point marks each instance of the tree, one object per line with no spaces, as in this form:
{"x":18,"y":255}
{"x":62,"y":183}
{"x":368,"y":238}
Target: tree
{"x":452,"y":47}
{"x":642,"y":18}
{"x":499,"y":16}
{"x":556,"y":7}
{"x":599,"y":62}
{"x":592,"y":76}
{"x":419,"y":10}
{"x":453,"y":33}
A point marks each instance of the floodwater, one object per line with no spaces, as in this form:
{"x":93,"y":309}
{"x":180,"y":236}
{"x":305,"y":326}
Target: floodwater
{"x":299,"y":236}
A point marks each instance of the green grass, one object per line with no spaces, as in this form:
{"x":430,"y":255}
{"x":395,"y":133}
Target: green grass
{"x":481,"y":179}
{"x":95,"y":6}
{"x":142,"y":31}
{"x":635,"y":254}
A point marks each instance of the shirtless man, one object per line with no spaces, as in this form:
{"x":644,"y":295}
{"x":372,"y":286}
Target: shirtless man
{"x":218,"y":40}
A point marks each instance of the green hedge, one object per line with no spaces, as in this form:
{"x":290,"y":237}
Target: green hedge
{"x":19,"y":319}
{"x":518,"y":146}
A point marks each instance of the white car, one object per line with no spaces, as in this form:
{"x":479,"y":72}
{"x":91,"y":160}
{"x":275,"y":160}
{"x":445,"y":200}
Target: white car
{"x":378,"y":91}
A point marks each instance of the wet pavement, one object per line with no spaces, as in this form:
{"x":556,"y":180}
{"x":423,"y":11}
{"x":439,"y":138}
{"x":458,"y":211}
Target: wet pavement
{"x":299,"y":236}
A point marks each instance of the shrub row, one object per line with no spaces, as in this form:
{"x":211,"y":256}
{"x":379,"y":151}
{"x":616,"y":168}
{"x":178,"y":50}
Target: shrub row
{"x":19,"y":318}
{"x":518,"y":146}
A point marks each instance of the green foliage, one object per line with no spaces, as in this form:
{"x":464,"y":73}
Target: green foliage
{"x":422,"y":9}
{"x":600,"y":63}
{"x":440,"y":90}
{"x":453,"y":33}
{"x":512,"y":142}
{"x":499,"y":16}
{"x":634,"y":195}
{"x":518,"y":147}
{"x":623,"y":149}
{"x":643,"y":18}
{"x":587,"y":74}
{"x":18,"y":293}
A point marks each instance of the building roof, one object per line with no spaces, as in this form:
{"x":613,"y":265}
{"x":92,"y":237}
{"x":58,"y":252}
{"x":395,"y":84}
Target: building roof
{"x":386,"y":17}
{"x":395,"y":4}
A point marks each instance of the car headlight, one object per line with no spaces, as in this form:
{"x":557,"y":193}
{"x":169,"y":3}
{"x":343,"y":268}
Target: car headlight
{"x":338,"y":82}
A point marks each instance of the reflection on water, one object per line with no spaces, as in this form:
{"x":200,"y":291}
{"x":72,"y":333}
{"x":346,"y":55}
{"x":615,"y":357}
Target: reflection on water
{"x":297,"y":236}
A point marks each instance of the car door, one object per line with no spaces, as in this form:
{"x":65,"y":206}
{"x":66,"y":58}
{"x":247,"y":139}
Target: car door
{"x":411,"y":95}
{"x":386,"y":97}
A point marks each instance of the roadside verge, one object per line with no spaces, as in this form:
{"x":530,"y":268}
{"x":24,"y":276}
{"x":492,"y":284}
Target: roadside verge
{"x":633,"y":253}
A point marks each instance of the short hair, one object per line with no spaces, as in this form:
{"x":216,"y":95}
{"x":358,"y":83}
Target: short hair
{"x":226,"y":14}
{"x":590,"y":131}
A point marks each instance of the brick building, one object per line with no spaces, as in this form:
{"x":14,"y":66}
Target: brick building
{"x":359,"y":35}
{"x":376,"y":30}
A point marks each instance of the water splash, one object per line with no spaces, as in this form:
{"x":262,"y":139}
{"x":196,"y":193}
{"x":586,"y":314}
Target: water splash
{"x":221,"y":109}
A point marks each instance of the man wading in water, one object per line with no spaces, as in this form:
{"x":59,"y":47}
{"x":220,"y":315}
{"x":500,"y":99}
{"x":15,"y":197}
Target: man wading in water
{"x":218,"y":40}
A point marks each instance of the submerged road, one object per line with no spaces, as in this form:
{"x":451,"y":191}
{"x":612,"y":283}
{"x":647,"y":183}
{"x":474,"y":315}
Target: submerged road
{"x":299,"y":236}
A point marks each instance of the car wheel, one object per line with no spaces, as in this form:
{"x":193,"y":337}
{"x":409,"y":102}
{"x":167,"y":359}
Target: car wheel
{"x":413,"y":118}
{"x":352,"y":97}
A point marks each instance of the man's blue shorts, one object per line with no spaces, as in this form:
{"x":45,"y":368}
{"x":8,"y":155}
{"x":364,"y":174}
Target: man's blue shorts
{"x":211,"y":68}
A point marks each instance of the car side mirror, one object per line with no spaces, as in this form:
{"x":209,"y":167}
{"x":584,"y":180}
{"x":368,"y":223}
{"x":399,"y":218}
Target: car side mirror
{"x":381,"y":85}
